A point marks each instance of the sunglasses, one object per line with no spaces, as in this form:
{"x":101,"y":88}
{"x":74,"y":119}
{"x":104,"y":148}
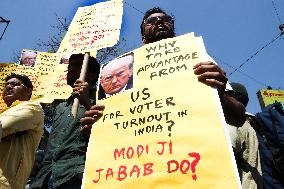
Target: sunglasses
{"x":153,"y":20}
{"x":14,"y":84}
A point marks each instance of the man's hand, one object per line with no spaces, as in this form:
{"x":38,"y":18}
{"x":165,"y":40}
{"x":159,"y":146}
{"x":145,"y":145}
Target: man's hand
{"x":81,"y":91}
{"x":91,"y":116}
{"x":211,"y":74}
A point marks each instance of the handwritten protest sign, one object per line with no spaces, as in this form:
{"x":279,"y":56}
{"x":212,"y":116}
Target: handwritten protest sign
{"x":58,"y":86}
{"x":48,"y":72}
{"x":42,"y":75}
{"x":93,"y":28}
{"x":165,"y":132}
{"x":266,"y":97}
{"x":47,"y":76}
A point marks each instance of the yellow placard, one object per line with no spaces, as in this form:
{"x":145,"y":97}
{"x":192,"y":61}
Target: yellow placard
{"x":165,"y":132}
{"x":47,"y":76}
{"x":93,"y":28}
{"x":46,"y":63}
{"x":267,"y":97}
{"x":58,"y":86}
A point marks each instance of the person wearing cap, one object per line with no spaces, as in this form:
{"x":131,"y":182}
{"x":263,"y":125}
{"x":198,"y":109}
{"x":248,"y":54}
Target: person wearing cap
{"x":245,"y":143}
{"x":22,"y":128}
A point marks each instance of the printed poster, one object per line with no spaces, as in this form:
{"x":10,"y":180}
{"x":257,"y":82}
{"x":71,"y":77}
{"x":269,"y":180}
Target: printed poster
{"x":47,"y":75}
{"x":166,"y":130}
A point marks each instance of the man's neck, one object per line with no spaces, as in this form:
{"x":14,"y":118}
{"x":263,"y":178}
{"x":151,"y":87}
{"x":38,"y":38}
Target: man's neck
{"x":8,"y":104}
{"x":12,"y":103}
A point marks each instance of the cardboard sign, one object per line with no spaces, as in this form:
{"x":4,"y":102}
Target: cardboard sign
{"x":267,"y":97}
{"x":93,"y":28}
{"x":47,"y":76}
{"x":164,"y":132}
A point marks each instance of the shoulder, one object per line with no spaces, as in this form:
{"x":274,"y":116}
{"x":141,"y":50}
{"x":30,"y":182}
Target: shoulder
{"x":34,"y":106}
{"x":25,"y":106}
{"x":61,"y":106}
{"x":251,"y":119}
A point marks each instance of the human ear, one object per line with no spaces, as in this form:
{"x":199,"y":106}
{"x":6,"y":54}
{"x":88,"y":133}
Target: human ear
{"x":29,"y":92}
{"x":130,"y":71}
{"x":143,"y":40}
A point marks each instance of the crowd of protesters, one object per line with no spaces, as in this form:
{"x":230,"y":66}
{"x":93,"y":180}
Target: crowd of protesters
{"x":55,"y":160}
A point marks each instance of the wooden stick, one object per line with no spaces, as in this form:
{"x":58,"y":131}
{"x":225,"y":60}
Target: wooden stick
{"x":82,"y":77}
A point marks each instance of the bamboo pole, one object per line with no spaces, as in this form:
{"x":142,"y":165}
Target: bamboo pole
{"x":82,"y":77}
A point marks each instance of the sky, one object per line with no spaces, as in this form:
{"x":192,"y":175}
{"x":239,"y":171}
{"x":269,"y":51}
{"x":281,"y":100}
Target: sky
{"x":232,"y":31}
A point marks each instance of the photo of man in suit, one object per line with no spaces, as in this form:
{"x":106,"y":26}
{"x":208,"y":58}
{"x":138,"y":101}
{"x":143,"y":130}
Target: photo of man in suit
{"x":116,"y":76}
{"x":28,"y":58}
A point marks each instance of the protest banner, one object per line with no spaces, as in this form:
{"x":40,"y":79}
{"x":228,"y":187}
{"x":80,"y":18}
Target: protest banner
{"x":42,"y":76}
{"x":58,"y":88}
{"x":52,"y":77}
{"x":266,"y":97}
{"x":47,"y":76}
{"x":93,"y":28}
{"x":167,"y":131}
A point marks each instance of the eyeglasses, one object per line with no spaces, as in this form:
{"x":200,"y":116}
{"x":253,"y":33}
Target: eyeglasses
{"x":153,"y":20}
{"x":13,"y":84}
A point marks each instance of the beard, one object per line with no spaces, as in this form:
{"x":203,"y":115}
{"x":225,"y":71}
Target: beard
{"x":159,"y":35}
{"x":164,"y":35}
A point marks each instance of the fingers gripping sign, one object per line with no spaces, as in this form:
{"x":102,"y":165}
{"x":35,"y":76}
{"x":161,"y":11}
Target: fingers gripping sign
{"x":81,"y":91}
{"x":211,"y":74}
{"x":91,"y":116}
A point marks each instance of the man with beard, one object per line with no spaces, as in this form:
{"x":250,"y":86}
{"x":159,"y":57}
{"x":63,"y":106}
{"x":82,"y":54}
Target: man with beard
{"x":21,"y":127}
{"x":64,"y":161}
{"x":158,"y":25}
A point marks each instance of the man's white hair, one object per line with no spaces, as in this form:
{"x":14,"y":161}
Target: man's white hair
{"x":116,"y":63}
{"x":29,"y":53}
